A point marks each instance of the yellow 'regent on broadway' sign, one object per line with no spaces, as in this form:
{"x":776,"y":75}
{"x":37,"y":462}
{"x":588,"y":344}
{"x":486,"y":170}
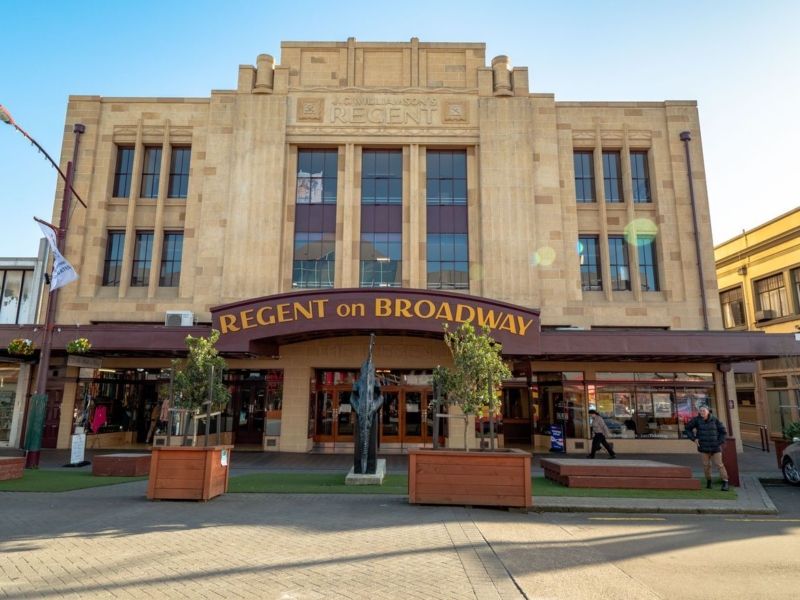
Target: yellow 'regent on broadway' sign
{"x":404,"y":308}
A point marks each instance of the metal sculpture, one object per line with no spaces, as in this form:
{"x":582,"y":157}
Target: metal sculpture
{"x":366,"y":401}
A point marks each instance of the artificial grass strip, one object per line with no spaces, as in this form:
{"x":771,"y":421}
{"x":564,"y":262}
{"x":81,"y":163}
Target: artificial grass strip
{"x":294,"y":483}
{"x":307,"y":483}
{"x":46,"y":480}
{"x":548,"y":488}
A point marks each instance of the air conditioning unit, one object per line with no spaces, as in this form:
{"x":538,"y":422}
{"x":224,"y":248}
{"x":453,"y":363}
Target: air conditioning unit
{"x":765,"y":315}
{"x":179,"y":318}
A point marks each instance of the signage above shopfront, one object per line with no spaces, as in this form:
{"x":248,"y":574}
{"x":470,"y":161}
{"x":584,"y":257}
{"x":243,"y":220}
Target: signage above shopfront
{"x":252,"y":325}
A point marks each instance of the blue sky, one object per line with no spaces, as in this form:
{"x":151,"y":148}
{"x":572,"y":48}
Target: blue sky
{"x":740,"y":61}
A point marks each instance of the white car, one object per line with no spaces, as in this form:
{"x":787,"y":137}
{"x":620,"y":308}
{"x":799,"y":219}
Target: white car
{"x":791,"y":463}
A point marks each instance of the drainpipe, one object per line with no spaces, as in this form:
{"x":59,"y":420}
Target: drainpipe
{"x":686,"y":137}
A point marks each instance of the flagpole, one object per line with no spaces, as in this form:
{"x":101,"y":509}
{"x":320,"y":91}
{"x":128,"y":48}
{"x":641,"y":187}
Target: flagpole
{"x":38,"y":400}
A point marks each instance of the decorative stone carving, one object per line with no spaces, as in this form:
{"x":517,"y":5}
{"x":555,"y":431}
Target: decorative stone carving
{"x":501,"y":65}
{"x":456,"y":112}
{"x":310,"y":110}
{"x":265,"y":75}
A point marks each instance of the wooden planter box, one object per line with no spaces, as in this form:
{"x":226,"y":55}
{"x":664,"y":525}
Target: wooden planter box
{"x":499,"y":478}
{"x":186,"y":473}
{"x":11,"y":467}
{"x":121,"y":465}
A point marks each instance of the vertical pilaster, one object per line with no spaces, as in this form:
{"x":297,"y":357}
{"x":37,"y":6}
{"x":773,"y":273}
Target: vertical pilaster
{"x":158,"y":229}
{"x":130,"y":220}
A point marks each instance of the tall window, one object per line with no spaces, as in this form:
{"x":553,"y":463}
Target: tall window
{"x":112,"y":268}
{"x":640,"y":177}
{"x":589,"y":252}
{"x":179,"y":173}
{"x":171,"y":257}
{"x":447,"y":241}
{"x":15,"y":290}
{"x":381,"y":218}
{"x":150,"y":172}
{"x":142,"y":256}
{"x":317,"y":172}
{"x":382,"y":177}
{"x":123,"y":173}
{"x":381,"y":260}
{"x":771,"y":294}
{"x":648,"y":263}
{"x":796,"y":279}
{"x":732,"y":308}
{"x":314,"y":260}
{"x":584,"y":176}
{"x":618,"y":260}
{"x":315,"y":219}
{"x":612,"y":177}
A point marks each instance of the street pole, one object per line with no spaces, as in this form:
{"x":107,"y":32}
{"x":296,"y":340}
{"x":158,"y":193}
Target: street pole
{"x":38,"y":403}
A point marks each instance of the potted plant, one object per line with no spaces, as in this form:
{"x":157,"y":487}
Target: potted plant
{"x":79,"y":346}
{"x":195,"y":472}
{"x":21,"y":347}
{"x":454,"y":476}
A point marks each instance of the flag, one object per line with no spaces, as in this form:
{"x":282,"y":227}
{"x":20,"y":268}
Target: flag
{"x":63,"y":272}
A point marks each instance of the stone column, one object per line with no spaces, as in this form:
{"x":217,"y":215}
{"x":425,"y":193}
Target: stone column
{"x":501,"y":65}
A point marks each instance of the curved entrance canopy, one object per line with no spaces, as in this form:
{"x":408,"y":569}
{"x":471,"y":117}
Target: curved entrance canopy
{"x":260,"y":326}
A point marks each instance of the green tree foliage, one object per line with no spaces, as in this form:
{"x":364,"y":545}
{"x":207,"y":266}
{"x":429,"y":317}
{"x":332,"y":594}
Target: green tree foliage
{"x":476,"y":359}
{"x":192,"y":374}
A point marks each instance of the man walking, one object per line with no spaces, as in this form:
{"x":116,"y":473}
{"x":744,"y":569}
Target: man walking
{"x":599,"y":433}
{"x":708,"y":432}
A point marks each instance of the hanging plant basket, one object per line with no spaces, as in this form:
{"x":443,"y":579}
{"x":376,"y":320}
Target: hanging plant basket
{"x":21,"y":347}
{"x":79,"y":346}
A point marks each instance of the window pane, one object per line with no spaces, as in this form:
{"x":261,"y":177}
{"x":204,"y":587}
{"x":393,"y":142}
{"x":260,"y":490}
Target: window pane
{"x":11,"y":282}
{"x":113,"y":263}
{"x":142,"y":254}
{"x":151,"y":172}
{"x":584,"y":176}
{"x":179,"y":172}
{"x":640,"y":177}
{"x":618,"y":261}
{"x":171,"y":258}
{"x":123,"y":173}
{"x":612,"y":180}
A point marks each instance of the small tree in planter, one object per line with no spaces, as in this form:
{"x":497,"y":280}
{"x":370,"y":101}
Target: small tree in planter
{"x":192,"y":375}
{"x":501,"y":478}
{"x":195,"y":473}
{"x":477,"y":365}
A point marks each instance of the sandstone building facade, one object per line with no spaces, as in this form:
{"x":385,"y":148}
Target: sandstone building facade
{"x":389,"y":188}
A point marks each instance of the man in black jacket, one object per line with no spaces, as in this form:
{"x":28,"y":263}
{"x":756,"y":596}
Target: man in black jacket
{"x":708,"y":432}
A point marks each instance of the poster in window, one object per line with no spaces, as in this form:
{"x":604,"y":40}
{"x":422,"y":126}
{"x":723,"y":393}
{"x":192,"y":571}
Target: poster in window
{"x":662,"y":406}
{"x":303,"y":187}
{"x":605,"y":403}
{"x":316,"y":188}
{"x":622,"y":405}
{"x":644,"y":404}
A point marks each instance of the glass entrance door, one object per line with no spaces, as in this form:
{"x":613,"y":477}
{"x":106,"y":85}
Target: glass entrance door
{"x":335,"y":419}
{"x":250,"y":413}
{"x":414,"y":426}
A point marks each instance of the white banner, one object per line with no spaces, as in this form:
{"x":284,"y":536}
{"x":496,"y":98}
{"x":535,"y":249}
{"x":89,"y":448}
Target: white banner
{"x":63,"y":273}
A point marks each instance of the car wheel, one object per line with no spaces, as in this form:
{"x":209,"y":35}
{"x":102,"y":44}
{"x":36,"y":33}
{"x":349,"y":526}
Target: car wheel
{"x":790,"y":472}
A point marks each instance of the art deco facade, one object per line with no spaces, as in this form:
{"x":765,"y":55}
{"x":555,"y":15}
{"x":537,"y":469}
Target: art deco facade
{"x":390,"y":188}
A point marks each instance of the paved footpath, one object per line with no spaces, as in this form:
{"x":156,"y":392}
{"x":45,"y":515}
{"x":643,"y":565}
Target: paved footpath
{"x":111,"y":542}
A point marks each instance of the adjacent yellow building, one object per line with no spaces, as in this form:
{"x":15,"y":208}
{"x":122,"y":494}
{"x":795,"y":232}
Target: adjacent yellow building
{"x":759,"y":281}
